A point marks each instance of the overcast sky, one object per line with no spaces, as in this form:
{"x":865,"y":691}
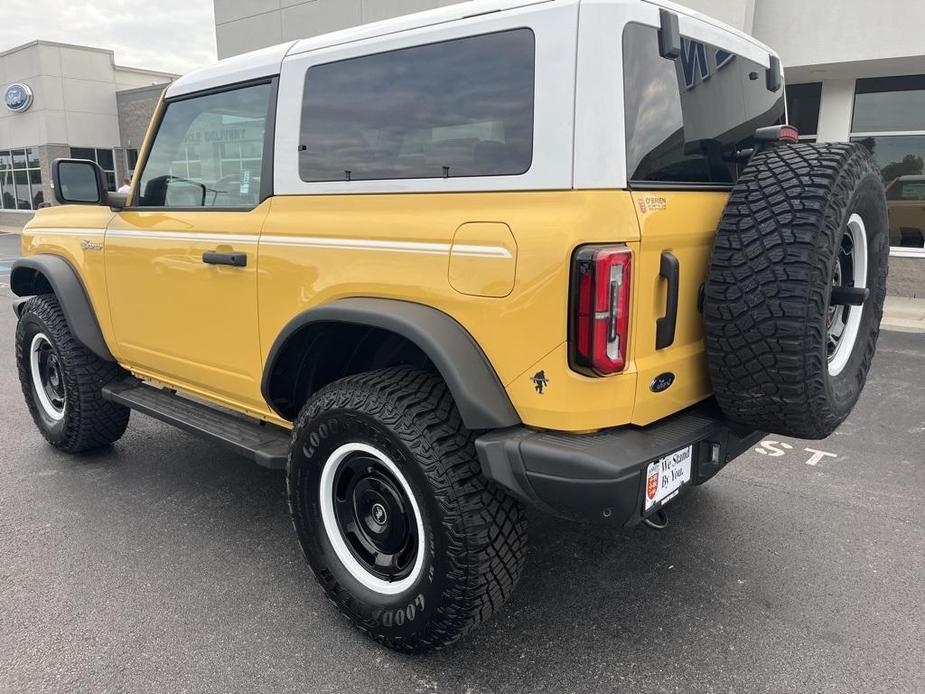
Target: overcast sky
{"x":170,"y":35}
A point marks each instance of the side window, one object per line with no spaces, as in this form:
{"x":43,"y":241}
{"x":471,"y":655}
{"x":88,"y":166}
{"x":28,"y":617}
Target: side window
{"x":455,"y":108}
{"x":208,"y":151}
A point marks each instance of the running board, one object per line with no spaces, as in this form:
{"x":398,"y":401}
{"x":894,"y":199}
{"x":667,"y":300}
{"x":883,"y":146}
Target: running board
{"x":266,"y":444}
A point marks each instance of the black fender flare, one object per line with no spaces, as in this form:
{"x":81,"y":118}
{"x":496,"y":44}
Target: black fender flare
{"x":67,"y":287}
{"x":480,"y":397}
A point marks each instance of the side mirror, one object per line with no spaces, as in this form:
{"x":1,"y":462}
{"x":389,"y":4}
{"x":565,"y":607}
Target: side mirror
{"x":78,"y":182}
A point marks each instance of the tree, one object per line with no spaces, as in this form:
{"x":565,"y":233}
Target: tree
{"x":910,"y":165}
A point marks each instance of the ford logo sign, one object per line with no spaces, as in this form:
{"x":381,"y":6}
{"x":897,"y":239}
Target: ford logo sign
{"x":17,"y":97}
{"x":662,"y":382}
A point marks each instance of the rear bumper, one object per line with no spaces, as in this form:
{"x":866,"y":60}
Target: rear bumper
{"x":601,"y":476}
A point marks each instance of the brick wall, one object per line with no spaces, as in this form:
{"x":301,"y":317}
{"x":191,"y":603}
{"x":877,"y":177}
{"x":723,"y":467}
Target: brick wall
{"x":136,"y":106}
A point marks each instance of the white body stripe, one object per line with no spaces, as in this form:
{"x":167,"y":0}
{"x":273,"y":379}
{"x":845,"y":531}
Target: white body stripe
{"x":65,"y":232}
{"x":360,"y":244}
{"x":384,"y":245}
{"x":181,"y":236}
{"x":388,"y":246}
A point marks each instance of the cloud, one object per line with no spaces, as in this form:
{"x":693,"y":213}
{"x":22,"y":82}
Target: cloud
{"x":169,"y":35}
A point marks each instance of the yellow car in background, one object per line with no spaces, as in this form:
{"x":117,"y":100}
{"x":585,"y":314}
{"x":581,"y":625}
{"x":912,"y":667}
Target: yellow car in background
{"x":905,"y":199}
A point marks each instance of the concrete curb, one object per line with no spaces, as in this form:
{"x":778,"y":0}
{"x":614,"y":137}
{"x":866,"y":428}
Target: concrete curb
{"x":904,"y":314}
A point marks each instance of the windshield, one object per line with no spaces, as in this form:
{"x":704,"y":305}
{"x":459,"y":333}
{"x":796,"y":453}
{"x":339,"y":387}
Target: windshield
{"x":687,"y":118}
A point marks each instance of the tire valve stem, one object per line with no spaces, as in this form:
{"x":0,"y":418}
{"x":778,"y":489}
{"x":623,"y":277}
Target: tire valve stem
{"x":658,"y":520}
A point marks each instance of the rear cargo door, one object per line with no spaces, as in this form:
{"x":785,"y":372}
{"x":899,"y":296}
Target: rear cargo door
{"x":689,"y":123}
{"x":677,"y":229}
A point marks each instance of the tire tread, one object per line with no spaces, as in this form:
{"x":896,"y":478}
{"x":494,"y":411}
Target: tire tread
{"x":485,"y":528}
{"x":767,"y":289}
{"x":90,"y":421}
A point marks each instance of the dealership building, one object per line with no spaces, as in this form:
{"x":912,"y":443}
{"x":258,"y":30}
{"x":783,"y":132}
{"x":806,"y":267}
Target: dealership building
{"x":61,"y":100}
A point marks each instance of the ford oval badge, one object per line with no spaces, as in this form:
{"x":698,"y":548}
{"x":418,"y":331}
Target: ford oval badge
{"x":662,"y":382}
{"x":17,"y":97}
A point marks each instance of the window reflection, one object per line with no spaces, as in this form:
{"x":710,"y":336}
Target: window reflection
{"x":209,"y":151}
{"x":902,"y":165}
{"x":687,"y":119}
{"x":455,"y":108}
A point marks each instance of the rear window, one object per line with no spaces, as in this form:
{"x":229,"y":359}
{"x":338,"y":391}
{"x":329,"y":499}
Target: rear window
{"x":685,"y":119}
{"x":455,"y":108}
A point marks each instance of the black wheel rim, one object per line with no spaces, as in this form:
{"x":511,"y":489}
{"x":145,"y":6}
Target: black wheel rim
{"x":375,"y":518}
{"x":843,"y":276}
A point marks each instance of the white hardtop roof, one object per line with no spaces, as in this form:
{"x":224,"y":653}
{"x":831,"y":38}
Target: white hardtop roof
{"x":241,"y":68}
{"x":680,"y":9}
{"x":268,"y":61}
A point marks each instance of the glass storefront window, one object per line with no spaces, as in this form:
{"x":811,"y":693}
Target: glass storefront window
{"x":902,"y":165}
{"x":35,"y":182}
{"x":889,"y":104}
{"x":20,"y":179}
{"x":105,"y":160}
{"x":103,"y":157}
{"x":889,"y":119}
{"x":131,"y":160}
{"x":32,"y":158}
{"x":803,"y":107}
{"x":23,"y":197}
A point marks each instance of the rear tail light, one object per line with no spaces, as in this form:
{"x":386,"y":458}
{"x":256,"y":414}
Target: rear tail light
{"x":600,"y":303}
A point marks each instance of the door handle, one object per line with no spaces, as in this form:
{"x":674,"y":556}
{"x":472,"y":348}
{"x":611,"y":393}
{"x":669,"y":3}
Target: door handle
{"x":233,"y":259}
{"x":665,"y":326}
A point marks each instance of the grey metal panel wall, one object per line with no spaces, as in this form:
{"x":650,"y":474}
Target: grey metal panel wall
{"x":245,"y":25}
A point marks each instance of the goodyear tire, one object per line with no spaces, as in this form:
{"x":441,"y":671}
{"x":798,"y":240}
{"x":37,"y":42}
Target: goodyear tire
{"x":804,"y":234}
{"x":62,"y":381}
{"x":404,"y":534}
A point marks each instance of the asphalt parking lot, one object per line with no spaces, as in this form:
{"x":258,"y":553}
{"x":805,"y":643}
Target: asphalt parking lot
{"x":166,"y":565}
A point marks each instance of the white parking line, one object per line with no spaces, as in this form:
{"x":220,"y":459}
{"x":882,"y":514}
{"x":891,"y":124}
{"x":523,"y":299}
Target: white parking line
{"x":776,"y":449}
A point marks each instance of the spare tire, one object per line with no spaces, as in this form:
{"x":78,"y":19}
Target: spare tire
{"x":804,"y":234}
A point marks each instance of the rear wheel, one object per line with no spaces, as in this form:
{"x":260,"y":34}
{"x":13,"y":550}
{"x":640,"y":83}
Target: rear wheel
{"x":404,"y":534}
{"x":795,"y":288}
{"x":62,"y":381}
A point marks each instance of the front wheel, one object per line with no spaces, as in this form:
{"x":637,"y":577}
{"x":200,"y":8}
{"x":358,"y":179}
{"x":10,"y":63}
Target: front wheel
{"x":404,"y":534}
{"x":62,"y":381}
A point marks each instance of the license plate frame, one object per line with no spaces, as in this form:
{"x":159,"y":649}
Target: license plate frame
{"x":666,"y":477}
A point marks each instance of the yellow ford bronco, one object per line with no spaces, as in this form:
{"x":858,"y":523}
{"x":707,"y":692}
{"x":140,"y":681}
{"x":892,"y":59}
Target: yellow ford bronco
{"x":561,"y":253}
